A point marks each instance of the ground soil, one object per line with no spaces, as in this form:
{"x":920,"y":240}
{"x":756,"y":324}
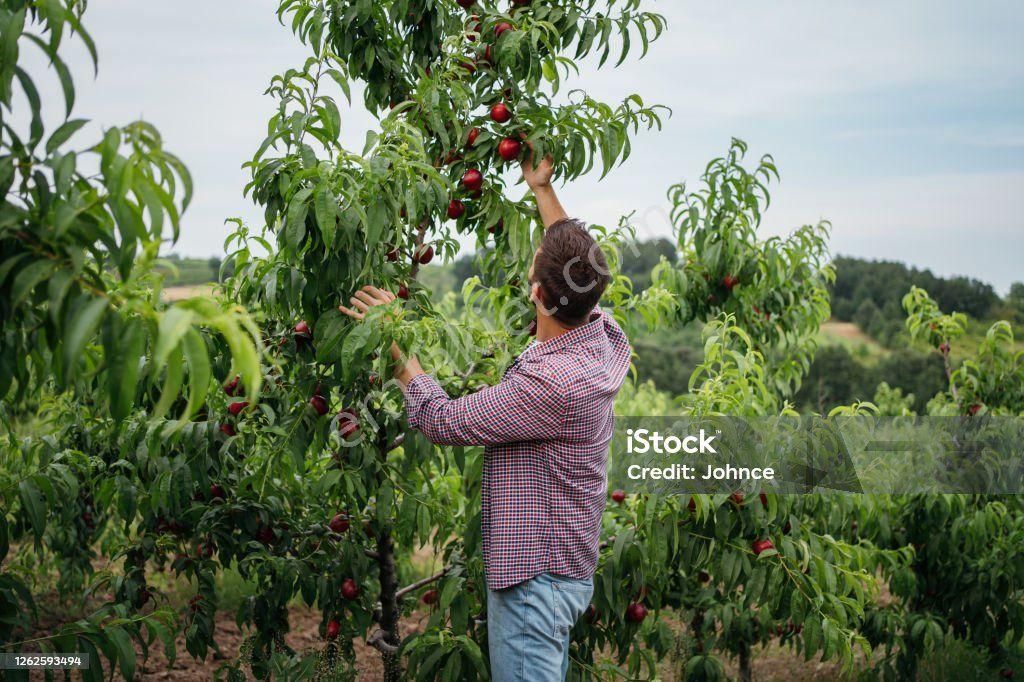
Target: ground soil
{"x":304,"y":635}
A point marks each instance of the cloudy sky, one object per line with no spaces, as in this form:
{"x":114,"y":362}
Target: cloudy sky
{"x":902,"y":123}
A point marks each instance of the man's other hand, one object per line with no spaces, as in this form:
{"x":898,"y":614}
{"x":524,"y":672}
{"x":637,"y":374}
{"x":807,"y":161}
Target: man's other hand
{"x":366,"y":298}
{"x":369,"y":297}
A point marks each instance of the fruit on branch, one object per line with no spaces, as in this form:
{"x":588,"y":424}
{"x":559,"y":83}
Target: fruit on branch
{"x":472,"y":180}
{"x":974,"y":409}
{"x":216,"y":492}
{"x":473,"y":27}
{"x":764,"y":500}
{"x":349,"y":589}
{"x":236,"y":408}
{"x":204,"y":550}
{"x":509,"y":149}
{"x":455,"y":209}
{"x":692,"y":504}
{"x":393,"y":255}
{"x":500,"y":113}
{"x":333,"y":629}
{"x":424,"y":254}
{"x":636,"y":612}
{"x":339,"y":523}
{"x":231,"y":388}
{"x":737,"y":498}
{"x":471,"y":137}
{"x":265,"y":534}
{"x":302,"y":329}
{"x":348,"y":419}
{"x":498,"y":227}
{"x":502,"y":28}
{"x":592,"y":615}
{"x":619,"y":496}
{"x":521,"y":3}
{"x":465,"y":4}
{"x":944,"y":348}
{"x":403,"y":292}
{"x":228,"y":430}
{"x":319,"y":404}
{"x":1006,"y":673}
{"x":703,"y":576}
{"x":429,"y":597}
{"x":729,"y":282}
{"x":761,"y":546}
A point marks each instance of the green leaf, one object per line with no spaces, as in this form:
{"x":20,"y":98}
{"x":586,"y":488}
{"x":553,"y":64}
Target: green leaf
{"x":84,"y":319}
{"x":174,"y":323}
{"x":199,"y":374}
{"x":13,"y":25}
{"x":361,"y":336}
{"x":124,"y":353}
{"x":28,"y":278}
{"x":326,"y":207}
{"x":34,"y":506}
{"x":377,"y":218}
{"x":5,"y":542}
{"x":125,"y":651}
{"x":172,"y":385}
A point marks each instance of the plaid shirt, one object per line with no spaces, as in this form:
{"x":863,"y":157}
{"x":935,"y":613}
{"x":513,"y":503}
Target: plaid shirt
{"x":546,"y":429}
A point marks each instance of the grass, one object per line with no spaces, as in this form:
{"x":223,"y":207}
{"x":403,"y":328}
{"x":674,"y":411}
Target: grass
{"x":849,"y":336}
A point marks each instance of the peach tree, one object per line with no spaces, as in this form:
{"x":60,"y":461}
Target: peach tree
{"x":963,"y":582}
{"x":296,"y":470}
{"x":86,"y":341}
{"x":748,"y":567}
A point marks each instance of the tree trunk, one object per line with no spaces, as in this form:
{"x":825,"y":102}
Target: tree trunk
{"x":745,"y":672}
{"x":388,"y":603}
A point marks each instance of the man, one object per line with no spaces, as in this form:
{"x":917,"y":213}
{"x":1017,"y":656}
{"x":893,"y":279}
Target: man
{"x":545,"y":429}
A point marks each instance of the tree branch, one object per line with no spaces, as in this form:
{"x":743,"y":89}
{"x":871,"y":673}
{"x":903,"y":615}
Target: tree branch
{"x":378,"y":640}
{"x":420,"y":583}
{"x":396,"y":443}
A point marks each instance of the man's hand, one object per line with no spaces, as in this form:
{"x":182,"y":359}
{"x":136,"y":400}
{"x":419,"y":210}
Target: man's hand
{"x":538,"y":176}
{"x":369,"y":297}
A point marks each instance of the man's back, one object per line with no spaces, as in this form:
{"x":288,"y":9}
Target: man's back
{"x":542,"y":499}
{"x":546,"y":429}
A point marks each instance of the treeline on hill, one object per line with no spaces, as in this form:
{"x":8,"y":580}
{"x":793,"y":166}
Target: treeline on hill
{"x":868,"y":293}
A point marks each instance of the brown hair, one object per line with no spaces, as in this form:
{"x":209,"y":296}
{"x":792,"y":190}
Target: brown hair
{"x":571,"y":270}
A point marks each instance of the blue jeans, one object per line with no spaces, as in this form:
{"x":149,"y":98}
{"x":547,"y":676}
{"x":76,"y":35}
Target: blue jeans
{"x":528,"y":627}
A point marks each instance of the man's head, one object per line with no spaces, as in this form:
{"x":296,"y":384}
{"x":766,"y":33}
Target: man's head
{"x":569,"y":274}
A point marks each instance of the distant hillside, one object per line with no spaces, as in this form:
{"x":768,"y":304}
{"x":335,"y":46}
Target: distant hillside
{"x":190,"y":271}
{"x":870,"y":293}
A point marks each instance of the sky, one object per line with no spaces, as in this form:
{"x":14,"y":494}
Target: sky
{"x":901,"y":123}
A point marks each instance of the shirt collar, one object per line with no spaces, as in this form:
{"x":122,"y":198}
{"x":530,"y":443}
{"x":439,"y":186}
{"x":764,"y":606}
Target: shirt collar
{"x":583,"y":335}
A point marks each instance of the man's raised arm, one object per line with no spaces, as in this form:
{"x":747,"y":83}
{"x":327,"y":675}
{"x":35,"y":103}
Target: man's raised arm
{"x":539,"y":180}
